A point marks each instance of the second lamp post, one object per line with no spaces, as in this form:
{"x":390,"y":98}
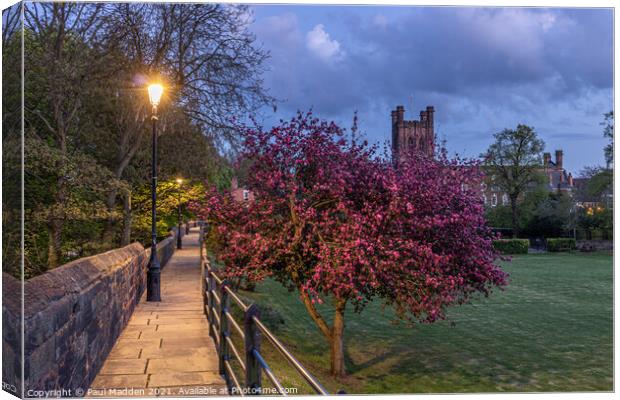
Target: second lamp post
{"x":154,"y":271}
{"x":179,"y":240}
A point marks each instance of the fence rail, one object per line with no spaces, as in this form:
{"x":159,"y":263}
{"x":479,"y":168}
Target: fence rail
{"x":217,"y":296}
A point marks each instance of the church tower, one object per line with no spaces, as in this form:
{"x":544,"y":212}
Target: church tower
{"x":412,"y":136}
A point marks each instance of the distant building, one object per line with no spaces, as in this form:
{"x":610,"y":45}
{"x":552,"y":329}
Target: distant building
{"x":557,"y":176}
{"x":412,"y":136}
{"x":240,"y":194}
{"x":558,"y":179}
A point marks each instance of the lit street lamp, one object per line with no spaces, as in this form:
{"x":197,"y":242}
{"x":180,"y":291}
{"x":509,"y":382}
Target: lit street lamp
{"x":154,"y":271}
{"x":179,"y":240}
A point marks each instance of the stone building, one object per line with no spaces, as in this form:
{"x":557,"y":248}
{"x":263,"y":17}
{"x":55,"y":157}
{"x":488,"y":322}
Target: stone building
{"x":412,"y":136}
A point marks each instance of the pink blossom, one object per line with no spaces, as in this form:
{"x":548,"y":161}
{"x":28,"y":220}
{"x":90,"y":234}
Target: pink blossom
{"x":332,"y":218}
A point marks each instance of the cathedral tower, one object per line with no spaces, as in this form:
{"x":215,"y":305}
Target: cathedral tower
{"x":412,"y":136}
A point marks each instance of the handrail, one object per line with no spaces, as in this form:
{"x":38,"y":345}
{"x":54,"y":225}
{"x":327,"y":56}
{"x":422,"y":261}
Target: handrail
{"x":234,"y":296}
{"x":216,"y":298}
{"x":236,"y":326}
{"x":290,"y":358}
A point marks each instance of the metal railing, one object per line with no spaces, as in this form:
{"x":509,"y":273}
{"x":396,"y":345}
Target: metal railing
{"x":217,"y":296}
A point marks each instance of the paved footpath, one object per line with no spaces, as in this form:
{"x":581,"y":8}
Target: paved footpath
{"x":166,"y":349}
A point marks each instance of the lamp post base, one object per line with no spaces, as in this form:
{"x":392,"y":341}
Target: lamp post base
{"x":179,"y":238}
{"x":153,"y":281}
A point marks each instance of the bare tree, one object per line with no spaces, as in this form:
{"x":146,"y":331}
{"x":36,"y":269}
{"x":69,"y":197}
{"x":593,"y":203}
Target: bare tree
{"x":206,"y":56}
{"x":204,"y":52}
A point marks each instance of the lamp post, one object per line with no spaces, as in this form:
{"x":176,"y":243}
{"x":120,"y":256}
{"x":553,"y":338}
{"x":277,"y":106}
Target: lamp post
{"x":179,"y":240}
{"x":154,"y":271}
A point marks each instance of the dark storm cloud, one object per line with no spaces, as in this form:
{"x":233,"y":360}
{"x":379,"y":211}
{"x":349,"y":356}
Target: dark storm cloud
{"x":464,"y":51}
{"x":483,"y":68}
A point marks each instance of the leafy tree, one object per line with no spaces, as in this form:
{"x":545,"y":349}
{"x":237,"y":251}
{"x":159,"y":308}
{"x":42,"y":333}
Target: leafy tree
{"x":599,"y":186}
{"x":514,"y":158}
{"x":169,"y":196}
{"x":11,"y":140}
{"x":551,"y":217}
{"x":500,"y":216}
{"x":86,"y":183}
{"x":608,"y":132}
{"x":62,"y":61}
{"x":87,"y":112}
{"x":330,"y":220}
{"x":595,"y":218}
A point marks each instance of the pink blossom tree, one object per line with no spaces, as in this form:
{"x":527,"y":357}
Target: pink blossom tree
{"x":331,"y":220}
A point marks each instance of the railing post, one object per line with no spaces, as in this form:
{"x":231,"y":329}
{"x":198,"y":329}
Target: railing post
{"x":252,"y":342}
{"x":203,"y":286}
{"x":224,"y":331}
{"x":210,"y":307}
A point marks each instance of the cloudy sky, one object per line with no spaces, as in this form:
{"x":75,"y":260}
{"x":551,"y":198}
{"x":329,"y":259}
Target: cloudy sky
{"x":484,"y":69}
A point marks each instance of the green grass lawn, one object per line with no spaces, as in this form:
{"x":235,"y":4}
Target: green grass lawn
{"x":551,"y":329}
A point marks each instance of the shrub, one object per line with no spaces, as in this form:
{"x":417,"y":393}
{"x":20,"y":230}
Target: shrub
{"x":560,"y":244}
{"x":512,"y":246}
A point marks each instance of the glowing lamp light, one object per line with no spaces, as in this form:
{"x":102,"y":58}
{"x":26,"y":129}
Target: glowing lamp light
{"x":155,"y":92}
{"x":179,"y":181}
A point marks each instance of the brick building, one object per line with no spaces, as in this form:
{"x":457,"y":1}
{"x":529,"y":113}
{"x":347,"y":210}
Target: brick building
{"x":240,"y":194}
{"x":412,"y":136}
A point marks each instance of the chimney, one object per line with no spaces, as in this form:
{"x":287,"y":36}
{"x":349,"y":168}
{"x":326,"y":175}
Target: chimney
{"x":546,"y":159}
{"x":234,"y":184}
{"x":558,"y":158}
{"x":570,"y":179}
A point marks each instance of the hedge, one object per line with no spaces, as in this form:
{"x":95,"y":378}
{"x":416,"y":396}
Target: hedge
{"x":511,"y":246}
{"x":560,"y":244}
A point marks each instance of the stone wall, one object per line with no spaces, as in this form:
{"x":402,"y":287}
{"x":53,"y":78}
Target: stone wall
{"x":11,"y":334}
{"x":72,"y":317}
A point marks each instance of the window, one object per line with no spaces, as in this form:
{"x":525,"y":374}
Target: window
{"x":505,"y":199}
{"x":484,"y":199}
{"x":494,"y":200}
{"x":246,"y":195}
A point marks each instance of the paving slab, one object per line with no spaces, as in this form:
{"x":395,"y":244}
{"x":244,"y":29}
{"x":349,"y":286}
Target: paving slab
{"x":184,"y":378}
{"x":123,"y":367}
{"x":119,"y":381}
{"x":178,"y":351}
{"x":166,"y":350}
{"x":124,"y":351}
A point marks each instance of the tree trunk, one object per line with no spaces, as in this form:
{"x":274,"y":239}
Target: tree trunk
{"x":514,"y":215}
{"x":54,"y":244}
{"x":126,"y":219}
{"x":108,"y":230}
{"x":57,"y":217}
{"x":337,"y":341}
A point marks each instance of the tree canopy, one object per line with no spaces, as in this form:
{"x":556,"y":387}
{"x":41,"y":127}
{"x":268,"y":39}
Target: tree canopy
{"x":331,"y":220}
{"x":515,"y":159}
{"x":87,"y":116}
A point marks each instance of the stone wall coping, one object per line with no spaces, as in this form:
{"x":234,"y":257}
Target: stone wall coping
{"x":71,"y":278}
{"x":74,"y":277}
